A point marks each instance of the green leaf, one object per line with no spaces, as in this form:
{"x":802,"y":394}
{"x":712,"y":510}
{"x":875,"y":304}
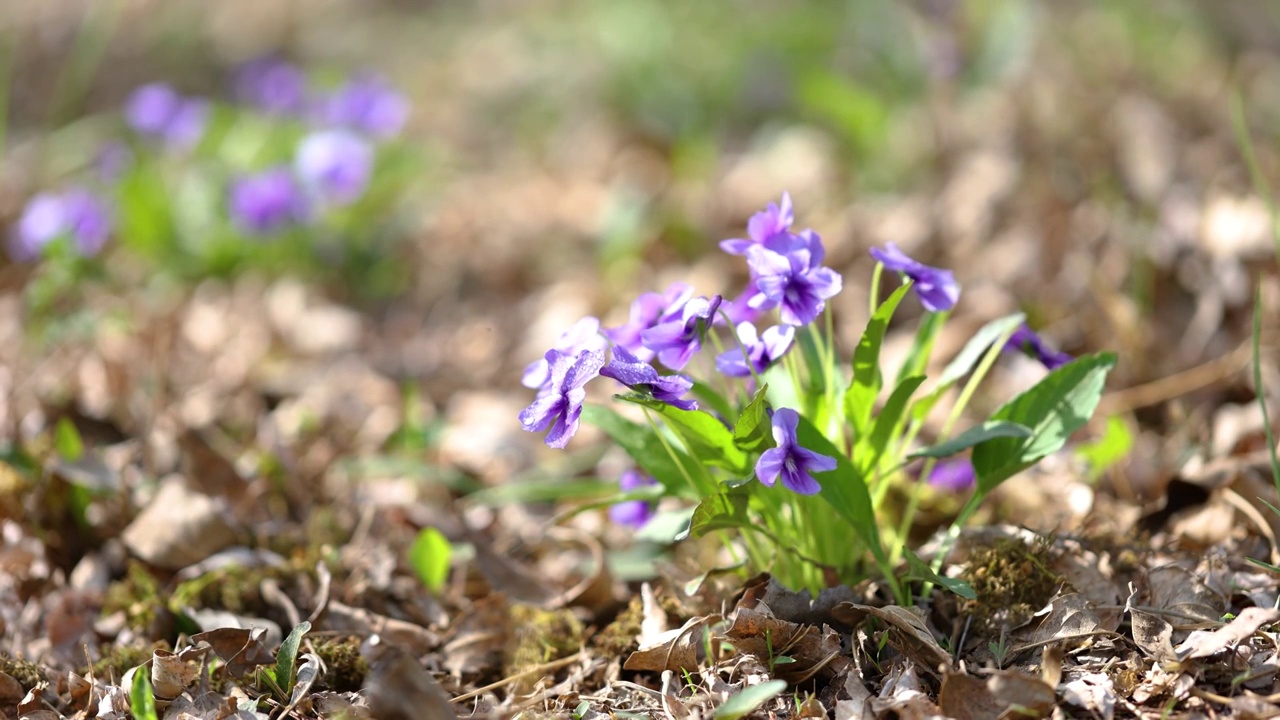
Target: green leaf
{"x":922,"y":345}
{"x":749,"y":700}
{"x":975,"y":435}
{"x":142,"y":702}
{"x":753,"y":432}
{"x":429,"y":555}
{"x":918,"y":569}
{"x":844,"y":488}
{"x":711,"y":400}
{"x":860,"y":398}
{"x":645,"y":447}
{"x":1057,"y":406}
{"x":722,"y":511}
{"x":67,"y":442}
{"x":287,"y":657}
{"x":666,"y":526}
{"x":705,"y":436}
{"x":1105,"y":452}
{"x":976,"y":348}
{"x":889,"y":422}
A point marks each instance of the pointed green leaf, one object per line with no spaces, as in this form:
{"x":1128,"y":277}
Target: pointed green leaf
{"x":989,"y":430}
{"x":749,"y":700}
{"x":753,"y":432}
{"x":889,"y":422}
{"x":287,"y":656}
{"x":1057,"y":406}
{"x":645,"y":447}
{"x":918,"y":569}
{"x":719,"y":512}
{"x":705,"y":436}
{"x":710,"y":400}
{"x":429,"y":556}
{"x":922,"y":345}
{"x":844,"y":488}
{"x":142,"y":702}
{"x":860,"y":398}
{"x":67,"y":442}
{"x":977,"y":347}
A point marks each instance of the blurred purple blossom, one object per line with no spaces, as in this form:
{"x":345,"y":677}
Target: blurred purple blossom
{"x":1026,"y":341}
{"x":642,"y":377}
{"x":791,"y":278}
{"x":763,"y":227}
{"x":583,"y":335}
{"x":676,"y":340}
{"x":113,"y":159}
{"x":334,"y":166}
{"x":648,"y":310}
{"x":157,"y":110}
{"x":75,"y":213}
{"x":266,"y":203}
{"x":936,"y":288}
{"x":795,"y":464}
{"x":272,"y":85}
{"x":953,"y":474}
{"x":369,"y":104}
{"x":559,"y":405}
{"x":739,"y":309}
{"x":763,"y":349}
{"x":633,"y":513}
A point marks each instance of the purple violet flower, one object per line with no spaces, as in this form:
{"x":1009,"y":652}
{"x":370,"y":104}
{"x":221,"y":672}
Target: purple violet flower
{"x":112,"y":160}
{"x":764,"y":226}
{"x":952,"y":474}
{"x":584,"y":335}
{"x":368,"y":104}
{"x":642,"y":377}
{"x":789,"y":460}
{"x":633,"y":513}
{"x":793,"y":279}
{"x":272,"y":85}
{"x":1026,"y":341}
{"x":157,"y":110}
{"x":559,"y":405}
{"x":266,"y":203}
{"x":648,"y":310}
{"x":334,"y":166}
{"x":76,"y":213}
{"x":739,"y":309}
{"x":676,"y":341}
{"x":763,"y":350}
{"x":936,"y":288}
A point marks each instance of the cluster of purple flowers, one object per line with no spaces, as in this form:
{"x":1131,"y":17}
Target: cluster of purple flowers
{"x":76,"y":214}
{"x":787,"y":275}
{"x":332,"y":165}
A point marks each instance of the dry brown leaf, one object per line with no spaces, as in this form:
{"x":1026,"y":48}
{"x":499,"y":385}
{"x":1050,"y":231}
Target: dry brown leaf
{"x":673,"y":650}
{"x":858,"y":706}
{"x":1204,"y":643}
{"x":908,"y":633}
{"x":399,"y":688}
{"x":814,"y":650}
{"x":1093,"y":691}
{"x":10,"y":690}
{"x":179,"y":527}
{"x":902,"y":696}
{"x":241,"y":649}
{"x":1152,"y":634}
{"x":1065,"y":617}
{"x":1173,"y":588}
{"x":171,"y":674}
{"x":1006,"y":694}
{"x":504,"y":576}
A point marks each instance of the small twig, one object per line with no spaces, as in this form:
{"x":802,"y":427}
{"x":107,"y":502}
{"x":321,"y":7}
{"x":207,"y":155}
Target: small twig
{"x":1175,"y":385}
{"x":545,"y":667}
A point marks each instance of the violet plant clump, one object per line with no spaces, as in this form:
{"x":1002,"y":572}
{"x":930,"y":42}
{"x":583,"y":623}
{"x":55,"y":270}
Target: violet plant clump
{"x":281,"y":174}
{"x":787,"y":438}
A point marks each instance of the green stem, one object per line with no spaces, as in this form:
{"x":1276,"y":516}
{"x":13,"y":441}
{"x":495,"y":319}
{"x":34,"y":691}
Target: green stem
{"x":693,"y":484}
{"x":875,"y":288}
